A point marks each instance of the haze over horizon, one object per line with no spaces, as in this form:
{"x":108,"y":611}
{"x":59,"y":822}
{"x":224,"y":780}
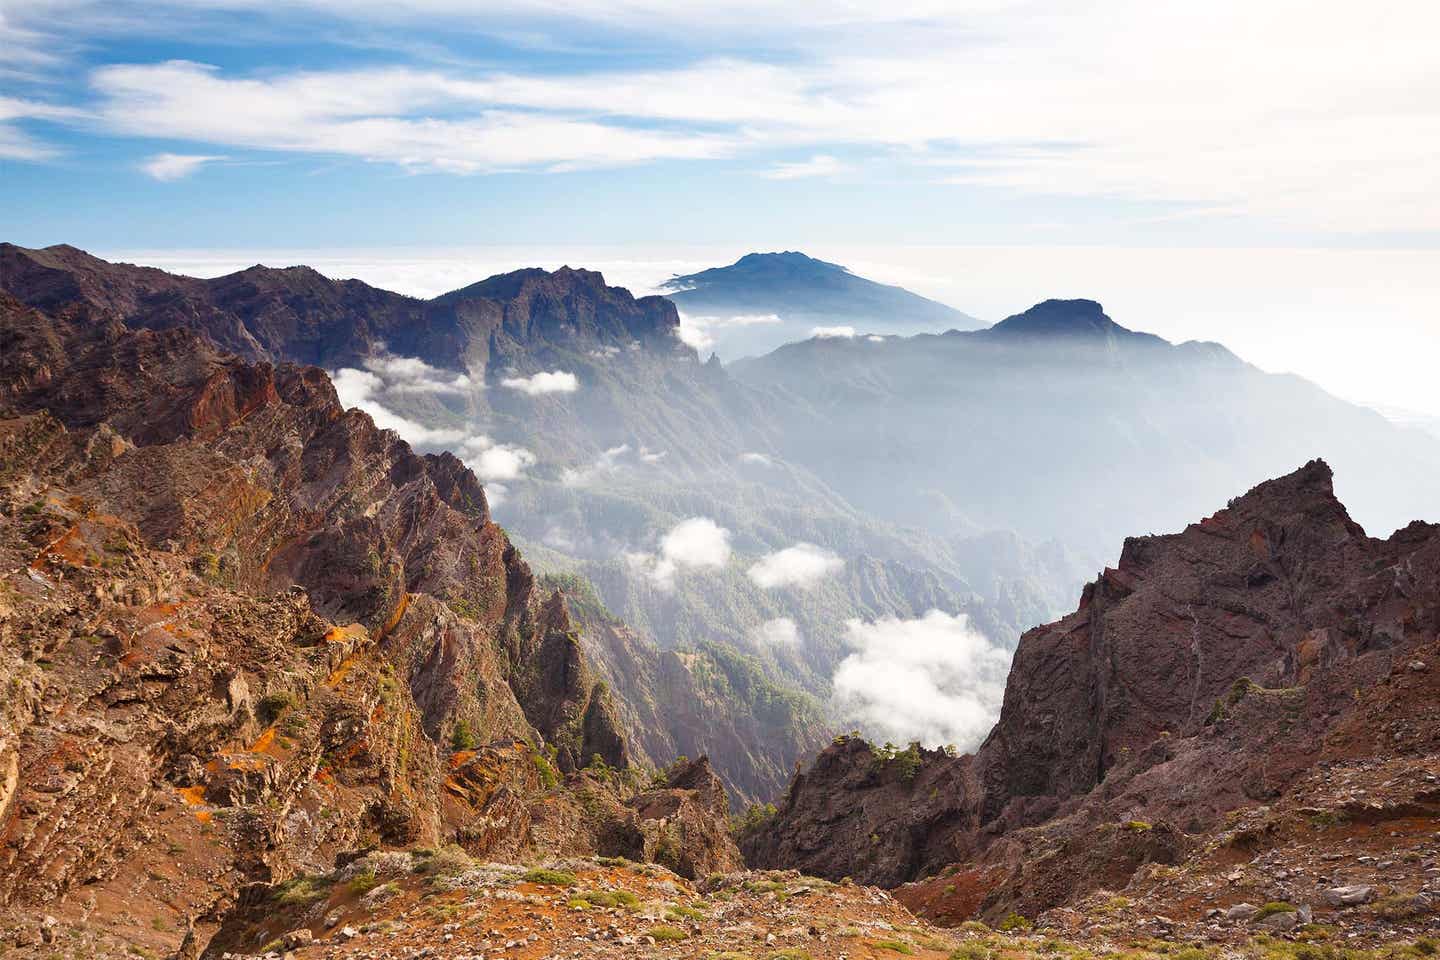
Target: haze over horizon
{"x":1264,"y":305}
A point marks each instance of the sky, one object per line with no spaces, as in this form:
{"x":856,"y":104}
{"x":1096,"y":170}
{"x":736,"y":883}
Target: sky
{"x":1254,"y":170}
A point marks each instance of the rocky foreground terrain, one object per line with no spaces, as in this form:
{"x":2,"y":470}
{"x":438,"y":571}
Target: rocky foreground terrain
{"x":275,"y":684}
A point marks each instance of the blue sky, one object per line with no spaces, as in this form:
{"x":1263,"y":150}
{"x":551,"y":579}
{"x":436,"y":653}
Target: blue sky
{"x":315,"y":122}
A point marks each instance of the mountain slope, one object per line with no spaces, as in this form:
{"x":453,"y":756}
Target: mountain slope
{"x":243,"y":630}
{"x":798,"y":292}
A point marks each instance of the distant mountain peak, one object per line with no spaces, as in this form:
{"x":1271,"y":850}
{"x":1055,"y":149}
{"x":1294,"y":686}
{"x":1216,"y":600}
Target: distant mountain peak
{"x":1061,"y":318}
{"x":797,"y":292}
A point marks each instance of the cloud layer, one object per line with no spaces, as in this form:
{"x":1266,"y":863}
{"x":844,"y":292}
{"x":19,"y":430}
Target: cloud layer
{"x":802,"y":565}
{"x":934,"y":679}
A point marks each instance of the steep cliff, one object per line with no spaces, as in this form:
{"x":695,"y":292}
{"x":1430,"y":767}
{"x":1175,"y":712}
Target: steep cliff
{"x":1212,"y":671}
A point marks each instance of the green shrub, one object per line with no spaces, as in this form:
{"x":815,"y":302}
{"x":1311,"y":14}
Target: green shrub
{"x":550,"y":878}
{"x":362,"y":883}
{"x":1014,"y":922}
{"x":1272,"y":908}
{"x":301,"y":891}
{"x":664,"y":933}
{"x":548,"y":776}
{"x":894,"y":946}
{"x":272,"y":705}
{"x":461,"y":738}
{"x":449,"y":861}
{"x":608,"y":898}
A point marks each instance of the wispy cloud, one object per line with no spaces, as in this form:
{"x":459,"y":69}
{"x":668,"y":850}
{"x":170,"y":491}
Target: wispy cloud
{"x":175,"y":166}
{"x":1304,"y":125}
{"x":496,"y":464}
{"x":552,"y":381}
{"x":833,"y":333}
{"x":15,"y":143}
{"x":820,"y":165}
{"x":780,"y":632}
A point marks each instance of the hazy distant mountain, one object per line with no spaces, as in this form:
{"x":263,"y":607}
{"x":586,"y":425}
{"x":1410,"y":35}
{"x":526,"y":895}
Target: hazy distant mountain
{"x":764,"y":300}
{"x":1060,"y":420}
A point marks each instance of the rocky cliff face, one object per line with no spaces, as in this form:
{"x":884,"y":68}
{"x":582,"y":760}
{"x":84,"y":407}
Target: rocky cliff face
{"x":1212,"y":671}
{"x":243,"y":631}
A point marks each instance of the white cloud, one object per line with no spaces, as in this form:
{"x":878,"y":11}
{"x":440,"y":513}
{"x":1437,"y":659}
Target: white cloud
{"x":756,"y":458}
{"x":413,"y":375}
{"x":820,"y":165}
{"x":697,"y":543}
{"x":1304,"y":124}
{"x":166,"y":167}
{"x":802,"y":565}
{"x":700,"y":331}
{"x":780,"y":632}
{"x":651,"y":456}
{"x":495,"y":461}
{"x":875,"y":338}
{"x":934,"y":679}
{"x":553,"y":381}
{"x":833,"y":333}
{"x":363,"y":389}
{"x":415,"y":119}
{"x":358,"y":389}
{"x":15,"y":143}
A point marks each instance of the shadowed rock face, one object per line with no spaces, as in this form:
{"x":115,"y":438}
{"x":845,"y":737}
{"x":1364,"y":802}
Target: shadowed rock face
{"x":243,"y":631}
{"x":1199,"y":676}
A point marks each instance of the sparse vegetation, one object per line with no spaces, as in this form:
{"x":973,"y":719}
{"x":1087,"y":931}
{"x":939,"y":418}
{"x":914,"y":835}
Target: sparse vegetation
{"x":301,"y":891}
{"x":667,"y":934}
{"x":550,"y":878}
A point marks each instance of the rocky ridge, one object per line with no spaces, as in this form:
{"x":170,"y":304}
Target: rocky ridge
{"x":1229,"y":673}
{"x":244,"y":631}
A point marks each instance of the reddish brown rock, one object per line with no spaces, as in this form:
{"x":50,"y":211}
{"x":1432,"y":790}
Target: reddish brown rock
{"x":1207,"y":673}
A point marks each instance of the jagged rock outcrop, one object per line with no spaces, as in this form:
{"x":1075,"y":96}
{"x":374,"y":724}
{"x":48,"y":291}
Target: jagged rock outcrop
{"x":1206,"y":673}
{"x":243,"y":631}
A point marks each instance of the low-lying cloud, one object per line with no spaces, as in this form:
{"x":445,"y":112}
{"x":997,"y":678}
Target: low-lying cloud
{"x":552,"y":381}
{"x":696,"y":543}
{"x":780,"y":632}
{"x":701,"y":332}
{"x":413,"y":375}
{"x":833,"y":333}
{"x":802,"y":565}
{"x":611,"y":462}
{"x":759,"y":459}
{"x":494,"y":463}
{"x":934,"y":679}
{"x":361,"y":389}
